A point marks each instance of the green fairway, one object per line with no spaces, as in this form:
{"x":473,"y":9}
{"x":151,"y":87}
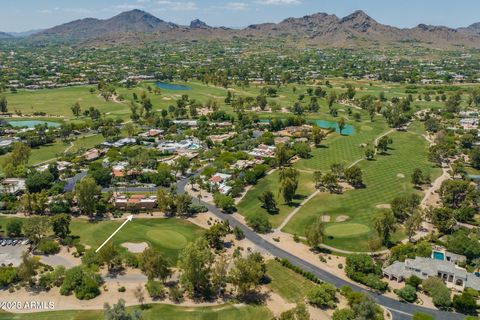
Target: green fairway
{"x":386,"y":177}
{"x":335,"y":149}
{"x":59,"y":101}
{"x":167,"y":235}
{"x":86,"y":142}
{"x":156,"y":311}
{"x":343,"y":149}
{"x":288,"y":284}
{"x":44,"y":153}
{"x":344,"y":230}
{"x":250,"y":204}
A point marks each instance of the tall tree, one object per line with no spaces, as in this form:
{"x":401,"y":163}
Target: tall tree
{"x":354,"y":176}
{"x":413,"y":224}
{"x":282,"y":155}
{"x":315,"y":233}
{"x":247,"y":273}
{"x":385,"y":224}
{"x":3,"y":104}
{"x":268,"y":201}
{"x":383,"y":143}
{"x":153,"y":264}
{"x":76,"y":109}
{"x":195,"y":262}
{"x":86,"y":192}
{"x":61,"y":225}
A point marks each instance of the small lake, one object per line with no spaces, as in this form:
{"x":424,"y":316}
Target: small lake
{"x":324,"y":124}
{"x":171,"y":86}
{"x":31,"y":123}
{"x":348,"y":130}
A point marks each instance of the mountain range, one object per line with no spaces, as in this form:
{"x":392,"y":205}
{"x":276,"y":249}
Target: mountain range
{"x":320,"y":29}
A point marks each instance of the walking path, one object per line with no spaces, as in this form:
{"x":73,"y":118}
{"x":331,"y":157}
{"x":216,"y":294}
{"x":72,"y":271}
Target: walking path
{"x":294,"y":212}
{"x":297,"y":209}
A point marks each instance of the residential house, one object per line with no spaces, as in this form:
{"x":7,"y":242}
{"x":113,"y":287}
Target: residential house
{"x":220,"y":180}
{"x":263,"y":151}
{"x":453,"y":275}
{"x":92,"y":154}
{"x":136,"y":201}
{"x":12,"y":186}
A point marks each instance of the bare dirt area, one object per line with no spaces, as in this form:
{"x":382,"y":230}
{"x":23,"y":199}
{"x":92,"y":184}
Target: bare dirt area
{"x":342,"y":218}
{"x":302,"y":251}
{"x":63,"y":258}
{"x":326,"y":218}
{"x":135,"y":247}
{"x":277,"y":304}
{"x":383,"y":206}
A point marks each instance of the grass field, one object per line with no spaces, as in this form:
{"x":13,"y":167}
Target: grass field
{"x":335,"y":149}
{"x":59,"y":101}
{"x":154,"y":312}
{"x":385,"y":178}
{"x":45,"y":152}
{"x":169,"y":236}
{"x":250,"y":205}
{"x":86,"y":142}
{"x":288,"y":284}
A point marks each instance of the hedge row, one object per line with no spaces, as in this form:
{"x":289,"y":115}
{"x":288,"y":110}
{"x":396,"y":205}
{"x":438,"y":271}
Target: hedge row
{"x":308,"y":275}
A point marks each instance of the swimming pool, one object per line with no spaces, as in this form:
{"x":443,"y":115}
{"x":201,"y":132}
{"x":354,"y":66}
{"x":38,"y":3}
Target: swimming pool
{"x":438,"y":255}
{"x":171,"y":86}
{"x":32,"y":123}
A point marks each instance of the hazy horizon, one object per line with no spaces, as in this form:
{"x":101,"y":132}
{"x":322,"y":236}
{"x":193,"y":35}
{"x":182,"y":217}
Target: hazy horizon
{"x":33,"y":15}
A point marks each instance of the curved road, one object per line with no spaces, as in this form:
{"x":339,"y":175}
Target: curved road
{"x":398,"y":309}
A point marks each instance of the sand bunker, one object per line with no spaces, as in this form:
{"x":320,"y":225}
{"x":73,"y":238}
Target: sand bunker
{"x":326,"y":218}
{"x":135,"y":247}
{"x":383,"y":206}
{"x":341,"y":218}
{"x":400,"y":175}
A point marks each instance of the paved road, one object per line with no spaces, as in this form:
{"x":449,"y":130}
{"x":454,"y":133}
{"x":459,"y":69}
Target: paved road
{"x":71,"y":182}
{"x":400,"y":310}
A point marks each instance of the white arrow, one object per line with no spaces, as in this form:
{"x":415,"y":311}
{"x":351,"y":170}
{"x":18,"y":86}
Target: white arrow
{"x":129,"y":218}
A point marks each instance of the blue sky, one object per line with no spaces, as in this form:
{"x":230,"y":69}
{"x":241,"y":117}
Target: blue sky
{"x":22,"y":15}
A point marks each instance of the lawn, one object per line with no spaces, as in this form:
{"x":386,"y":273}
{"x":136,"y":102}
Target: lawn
{"x":44,"y":153}
{"x":250,"y":204}
{"x":288,"y":284}
{"x":335,"y":149}
{"x":86,"y":142}
{"x":59,"y":101}
{"x":386,"y":177}
{"x":344,"y":149}
{"x":169,"y":236}
{"x":156,"y":311}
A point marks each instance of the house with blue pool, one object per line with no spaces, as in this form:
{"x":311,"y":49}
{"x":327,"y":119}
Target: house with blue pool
{"x":442,"y":264}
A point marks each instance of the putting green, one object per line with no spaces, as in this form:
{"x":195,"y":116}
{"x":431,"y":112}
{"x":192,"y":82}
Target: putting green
{"x":345,"y":230}
{"x":168,"y":238}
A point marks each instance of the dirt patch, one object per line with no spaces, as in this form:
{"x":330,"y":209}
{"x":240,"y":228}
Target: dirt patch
{"x":135,"y":247}
{"x":345,"y":186}
{"x":277,"y":304}
{"x":400,"y":175}
{"x":342,"y":218}
{"x":326,"y":218}
{"x":383,"y":206}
